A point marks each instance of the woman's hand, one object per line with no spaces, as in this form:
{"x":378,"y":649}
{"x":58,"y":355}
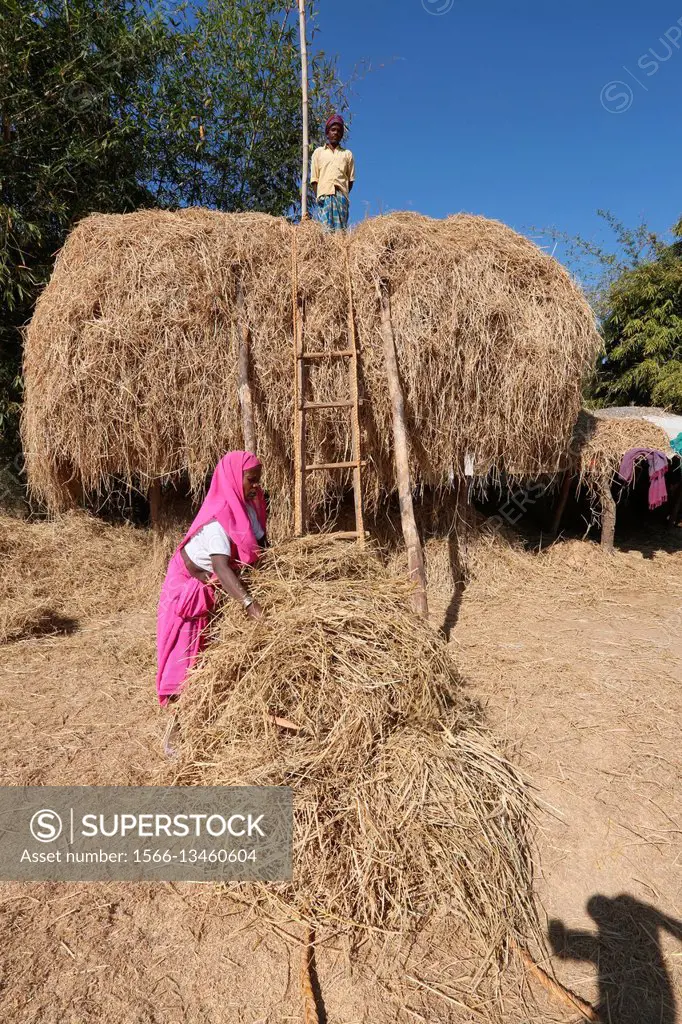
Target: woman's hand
{"x":233,"y":586}
{"x":254,"y":611}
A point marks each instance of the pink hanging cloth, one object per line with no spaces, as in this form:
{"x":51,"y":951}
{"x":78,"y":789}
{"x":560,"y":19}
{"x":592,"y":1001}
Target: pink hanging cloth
{"x":658,"y":467}
{"x":186,"y":603}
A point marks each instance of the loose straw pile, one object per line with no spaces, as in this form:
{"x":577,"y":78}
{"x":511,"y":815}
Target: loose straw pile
{"x":403,"y":809}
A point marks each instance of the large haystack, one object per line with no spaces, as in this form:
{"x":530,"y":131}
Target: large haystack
{"x":131,"y":356}
{"x":402,"y":808}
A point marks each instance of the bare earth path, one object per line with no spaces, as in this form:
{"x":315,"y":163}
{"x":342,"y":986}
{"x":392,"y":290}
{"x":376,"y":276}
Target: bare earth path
{"x":579,"y":658}
{"x":579,"y":662}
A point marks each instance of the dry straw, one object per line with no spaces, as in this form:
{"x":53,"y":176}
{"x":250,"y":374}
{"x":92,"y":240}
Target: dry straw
{"x":599,"y":444}
{"x":403,"y":809}
{"x":54,"y":574}
{"x":131,"y":356}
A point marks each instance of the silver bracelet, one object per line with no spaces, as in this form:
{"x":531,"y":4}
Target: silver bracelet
{"x":247,"y":601}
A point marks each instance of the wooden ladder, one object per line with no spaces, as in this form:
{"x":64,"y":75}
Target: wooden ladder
{"x":302,"y":408}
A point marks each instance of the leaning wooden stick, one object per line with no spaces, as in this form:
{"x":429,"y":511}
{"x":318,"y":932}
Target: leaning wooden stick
{"x":558,"y":990}
{"x":608,"y":514}
{"x":415,"y":554}
{"x":245,"y":396}
{"x":310,"y":1014}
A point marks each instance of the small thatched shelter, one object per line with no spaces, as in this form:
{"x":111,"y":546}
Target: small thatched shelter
{"x":131,"y":362}
{"x":601,"y":438}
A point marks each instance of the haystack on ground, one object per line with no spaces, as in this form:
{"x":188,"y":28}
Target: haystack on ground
{"x":403,"y":811}
{"x":131,"y":356}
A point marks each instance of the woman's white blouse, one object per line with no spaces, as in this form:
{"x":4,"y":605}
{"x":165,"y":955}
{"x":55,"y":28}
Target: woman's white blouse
{"x":212,"y":539}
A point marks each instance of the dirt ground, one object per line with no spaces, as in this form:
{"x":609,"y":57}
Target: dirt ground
{"x":578,"y":659}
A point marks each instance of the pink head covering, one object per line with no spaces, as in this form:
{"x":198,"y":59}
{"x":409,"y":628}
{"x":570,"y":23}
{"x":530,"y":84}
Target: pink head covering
{"x":225,"y":502}
{"x":335,"y":119}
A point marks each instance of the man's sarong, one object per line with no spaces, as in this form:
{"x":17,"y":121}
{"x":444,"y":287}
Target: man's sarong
{"x":185,"y":607}
{"x":334,"y":211}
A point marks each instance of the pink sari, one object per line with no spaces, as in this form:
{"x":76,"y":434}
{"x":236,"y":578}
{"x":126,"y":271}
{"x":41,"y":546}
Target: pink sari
{"x":186,"y":603}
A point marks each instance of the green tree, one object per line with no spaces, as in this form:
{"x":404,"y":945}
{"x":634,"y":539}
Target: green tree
{"x":636,"y":291}
{"x":76,"y":77}
{"x":642,"y":330}
{"x":227,"y":113}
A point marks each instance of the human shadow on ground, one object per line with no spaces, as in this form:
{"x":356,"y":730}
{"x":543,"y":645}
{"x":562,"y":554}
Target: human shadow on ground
{"x":634,"y":984}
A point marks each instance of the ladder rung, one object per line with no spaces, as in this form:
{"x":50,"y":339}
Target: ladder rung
{"x":335,"y":535}
{"x":328,"y":355}
{"x":334,"y":465}
{"x":328,"y":405}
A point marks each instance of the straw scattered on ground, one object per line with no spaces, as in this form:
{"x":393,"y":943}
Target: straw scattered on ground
{"x":56,"y":572}
{"x":578,"y":658}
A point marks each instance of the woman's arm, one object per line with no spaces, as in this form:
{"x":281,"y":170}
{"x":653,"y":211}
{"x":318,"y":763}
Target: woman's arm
{"x":233,"y":586}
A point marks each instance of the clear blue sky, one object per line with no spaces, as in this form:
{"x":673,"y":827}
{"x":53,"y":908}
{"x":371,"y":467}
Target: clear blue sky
{"x":495,"y":107}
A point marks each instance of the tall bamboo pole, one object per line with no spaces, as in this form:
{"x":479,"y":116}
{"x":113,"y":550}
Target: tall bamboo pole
{"x":304,"y":92}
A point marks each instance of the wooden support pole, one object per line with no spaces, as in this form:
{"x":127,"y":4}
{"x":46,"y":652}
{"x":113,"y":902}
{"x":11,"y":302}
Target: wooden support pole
{"x":154,"y":497}
{"x":354,"y":389}
{"x":415,"y":555}
{"x":245,"y":397}
{"x":561,"y":503}
{"x":71,"y":486}
{"x":463,"y":525}
{"x":608,"y":514}
{"x":300,"y":374}
{"x":304,"y":94}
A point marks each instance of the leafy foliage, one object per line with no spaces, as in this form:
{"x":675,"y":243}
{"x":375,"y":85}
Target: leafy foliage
{"x":643,"y":334}
{"x":227,"y":114}
{"x":636,"y":292}
{"x":72,"y":97}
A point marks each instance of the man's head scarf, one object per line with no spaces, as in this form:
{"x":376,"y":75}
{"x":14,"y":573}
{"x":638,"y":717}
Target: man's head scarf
{"x":335,"y":119}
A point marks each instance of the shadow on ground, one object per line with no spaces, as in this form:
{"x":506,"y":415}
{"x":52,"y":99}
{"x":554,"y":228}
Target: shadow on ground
{"x":634,"y":983}
{"x":50,"y":624}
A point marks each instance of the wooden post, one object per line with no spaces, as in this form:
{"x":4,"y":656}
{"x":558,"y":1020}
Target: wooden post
{"x":298,"y":305}
{"x":356,"y":435}
{"x":463,"y":524}
{"x":415,"y":555}
{"x":71,"y":487}
{"x":608,"y":514}
{"x":245,"y":397}
{"x":304,"y":93}
{"x":154,"y":496}
{"x":561,"y":503}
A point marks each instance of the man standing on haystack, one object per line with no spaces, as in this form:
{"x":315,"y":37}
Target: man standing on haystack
{"x":333,"y":174}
